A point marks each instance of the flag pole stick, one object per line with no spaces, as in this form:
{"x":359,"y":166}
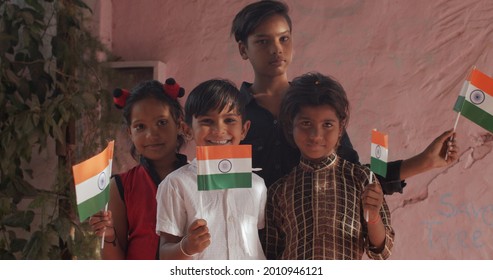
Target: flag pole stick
{"x":104,"y":232}
{"x":458,"y":116}
{"x":452,"y":137}
{"x":464,"y":88}
{"x":456,"y":121}
{"x":110,"y":162}
{"x":201,"y":206}
{"x":367,"y":213}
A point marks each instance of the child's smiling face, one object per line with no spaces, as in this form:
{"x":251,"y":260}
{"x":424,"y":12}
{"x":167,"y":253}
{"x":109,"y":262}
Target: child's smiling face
{"x":219,"y":128}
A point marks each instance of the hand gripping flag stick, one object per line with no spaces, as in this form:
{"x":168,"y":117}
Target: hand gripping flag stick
{"x":367,"y":213}
{"x":460,"y":102}
{"x":92,"y":184}
{"x":379,"y":157}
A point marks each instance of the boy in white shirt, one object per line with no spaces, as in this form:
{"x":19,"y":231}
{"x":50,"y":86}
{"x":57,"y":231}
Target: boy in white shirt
{"x":219,"y":224}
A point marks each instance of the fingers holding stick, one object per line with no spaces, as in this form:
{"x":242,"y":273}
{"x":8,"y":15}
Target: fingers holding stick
{"x":372,"y":199}
{"x":101,"y":223}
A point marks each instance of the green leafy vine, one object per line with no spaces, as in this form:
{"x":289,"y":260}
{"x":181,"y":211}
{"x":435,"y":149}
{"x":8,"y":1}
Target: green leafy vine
{"x":50,"y":89}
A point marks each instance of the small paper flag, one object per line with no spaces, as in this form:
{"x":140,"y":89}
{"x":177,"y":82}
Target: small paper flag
{"x":224,"y":167}
{"x":379,"y":152}
{"x":92,"y":180}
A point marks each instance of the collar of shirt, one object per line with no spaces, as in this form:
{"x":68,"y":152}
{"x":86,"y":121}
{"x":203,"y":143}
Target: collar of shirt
{"x":309,"y":165}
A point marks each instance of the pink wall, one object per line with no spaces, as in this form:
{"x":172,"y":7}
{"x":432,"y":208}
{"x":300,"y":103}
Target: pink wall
{"x":402,"y":64}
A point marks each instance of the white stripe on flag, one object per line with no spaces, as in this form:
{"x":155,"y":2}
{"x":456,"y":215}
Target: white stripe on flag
{"x":461,"y":97}
{"x":480,"y":99}
{"x":94,"y":185}
{"x":222,"y":166}
{"x":463,"y":90}
{"x":381,"y":153}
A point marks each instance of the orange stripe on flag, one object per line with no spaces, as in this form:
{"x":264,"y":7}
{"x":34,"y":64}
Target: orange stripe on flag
{"x":93,"y":166}
{"x":482,"y":81}
{"x":225,"y":151}
{"x":379,"y":138}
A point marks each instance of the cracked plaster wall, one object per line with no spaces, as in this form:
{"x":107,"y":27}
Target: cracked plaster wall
{"x":402,"y":64}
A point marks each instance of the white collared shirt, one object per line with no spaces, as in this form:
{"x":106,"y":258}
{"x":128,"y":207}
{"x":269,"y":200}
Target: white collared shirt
{"x":233,"y":216}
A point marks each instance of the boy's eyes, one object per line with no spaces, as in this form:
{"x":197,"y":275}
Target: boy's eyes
{"x":205,"y":121}
{"x":284,"y":38}
{"x":210,"y":121}
{"x":230,"y":120}
{"x":266,"y":41}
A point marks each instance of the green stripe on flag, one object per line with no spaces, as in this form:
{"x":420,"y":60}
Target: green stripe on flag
{"x":94,"y":204}
{"x":224,"y":181}
{"x":458,"y":103}
{"x":478,"y":115}
{"x":379,"y":167}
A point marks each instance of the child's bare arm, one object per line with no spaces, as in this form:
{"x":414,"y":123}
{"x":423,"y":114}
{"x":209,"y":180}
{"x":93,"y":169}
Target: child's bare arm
{"x":441,"y":152}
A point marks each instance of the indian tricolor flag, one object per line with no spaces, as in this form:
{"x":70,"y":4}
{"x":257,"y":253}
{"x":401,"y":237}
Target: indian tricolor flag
{"x":92,"y":180}
{"x":478,"y":100}
{"x":224,"y":167}
{"x":379,"y":152}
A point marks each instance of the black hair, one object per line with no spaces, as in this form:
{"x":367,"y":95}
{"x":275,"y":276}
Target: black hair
{"x":214,"y":94}
{"x":254,"y":14}
{"x":313,"y":89}
{"x":152,"y":89}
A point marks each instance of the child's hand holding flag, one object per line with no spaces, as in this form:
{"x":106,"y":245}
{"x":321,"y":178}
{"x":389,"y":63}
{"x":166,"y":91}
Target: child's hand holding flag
{"x":92,"y":181}
{"x":379,"y":157}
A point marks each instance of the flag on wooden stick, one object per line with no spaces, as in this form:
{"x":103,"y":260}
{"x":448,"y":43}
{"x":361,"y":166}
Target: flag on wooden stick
{"x":92,"y":179}
{"x":379,"y":152}
{"x":224,"y":167}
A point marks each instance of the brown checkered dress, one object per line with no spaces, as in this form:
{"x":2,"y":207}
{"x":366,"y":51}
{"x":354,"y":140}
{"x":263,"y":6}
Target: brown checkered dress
{"x":315,"y":213}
